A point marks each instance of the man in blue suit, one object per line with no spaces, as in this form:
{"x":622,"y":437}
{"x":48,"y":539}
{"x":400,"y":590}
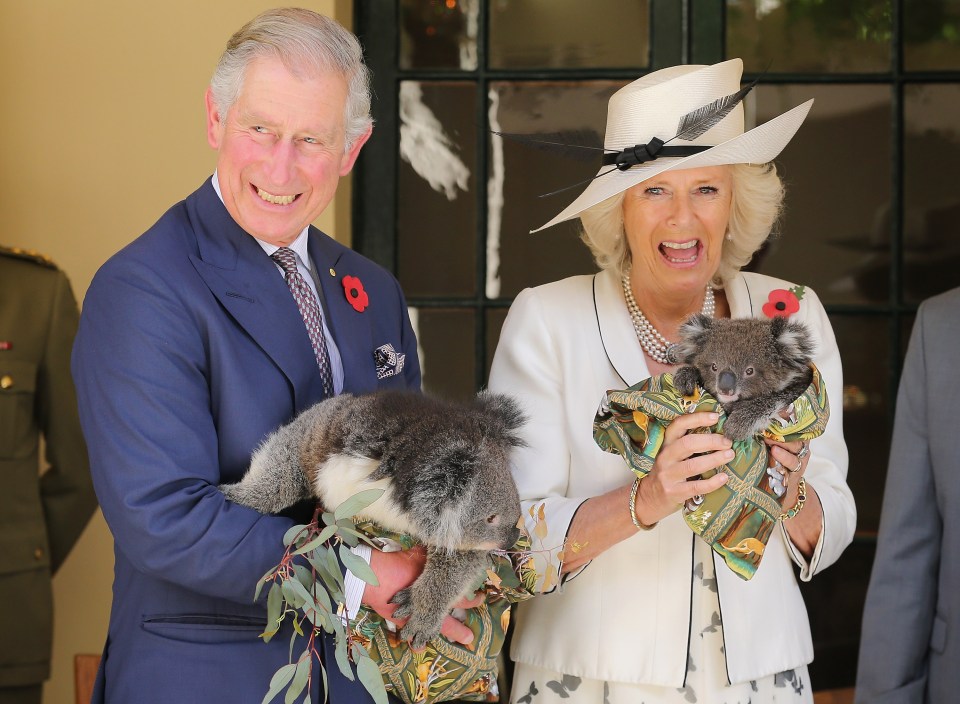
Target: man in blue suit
{"x":192,"y":349}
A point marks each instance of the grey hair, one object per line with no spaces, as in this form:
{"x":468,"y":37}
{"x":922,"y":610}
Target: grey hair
{"x":756,"y":203}
{"x":307,"y":43}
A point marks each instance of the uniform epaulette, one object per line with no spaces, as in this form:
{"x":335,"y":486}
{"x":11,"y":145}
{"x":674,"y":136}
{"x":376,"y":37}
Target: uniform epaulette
{"x":29,"y":255}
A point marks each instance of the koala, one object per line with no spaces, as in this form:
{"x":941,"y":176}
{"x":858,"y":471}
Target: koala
{"x":753,"y":367}
{"x":444,"y":467}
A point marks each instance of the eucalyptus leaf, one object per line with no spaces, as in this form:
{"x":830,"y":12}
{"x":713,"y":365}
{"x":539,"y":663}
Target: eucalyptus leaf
{"x":324,"y":536}
{"x":349,"y":529}
{"x":358,"y":566}
{"x":300,"y":678}
{"x":263,"y":581}
{"x":343,"y":662}
{"x":371,"y":679}
{"x":318,"y":557}
{"x":290,"y":593}
{"x":350,"y":540}
{"x":357,"y":503}
{"x":316,"y":615}
{"x":292,"y":533}
{"x":274,"y":610}
{"x":301,"y":592}
{"x":279,"y":680}
{"x":304,"y":576}
{"x":334,"y":568}
{"x":328,"y":518}
{"x":322,"y":598}
{"x":333,"y":588}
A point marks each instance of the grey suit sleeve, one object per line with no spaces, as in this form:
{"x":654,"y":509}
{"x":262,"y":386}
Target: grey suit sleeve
{"x":901,"y":600}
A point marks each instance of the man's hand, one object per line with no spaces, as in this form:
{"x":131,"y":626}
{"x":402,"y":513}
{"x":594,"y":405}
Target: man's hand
{"x":398,"y":570}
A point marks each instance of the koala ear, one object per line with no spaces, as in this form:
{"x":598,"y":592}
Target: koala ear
{"x":693,"y":335}
{"x":793,"y":340}
{"x":502,"y":416}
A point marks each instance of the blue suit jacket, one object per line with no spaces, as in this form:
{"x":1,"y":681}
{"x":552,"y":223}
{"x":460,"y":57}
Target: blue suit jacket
{"x":190,"y":351}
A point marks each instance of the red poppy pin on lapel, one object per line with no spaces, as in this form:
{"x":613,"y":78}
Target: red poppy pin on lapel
{"x":783,"y":302}
{"x":356,"y":296}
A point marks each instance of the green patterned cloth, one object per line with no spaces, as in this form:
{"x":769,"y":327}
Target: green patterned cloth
{"x":738,"y":518}
{"x":445,"y":670}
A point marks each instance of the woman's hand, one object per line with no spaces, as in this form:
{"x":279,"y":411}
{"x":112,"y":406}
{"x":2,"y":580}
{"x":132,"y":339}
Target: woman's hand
{"x":683,"y":457}
{"x":791,"y":459}
{"x":603,"y":521}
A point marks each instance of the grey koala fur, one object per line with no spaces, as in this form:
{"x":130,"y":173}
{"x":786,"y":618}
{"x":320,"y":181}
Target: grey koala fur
{"x":444,"y":467}
{"x":753,"y":367}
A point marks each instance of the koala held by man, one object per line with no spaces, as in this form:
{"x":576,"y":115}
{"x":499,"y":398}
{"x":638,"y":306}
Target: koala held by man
{"x":753,"y":367}
{"x":444,"y":468}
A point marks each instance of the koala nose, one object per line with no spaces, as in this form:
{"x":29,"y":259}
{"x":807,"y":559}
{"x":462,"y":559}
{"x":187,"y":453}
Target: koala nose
{"x":727,"y":382}
{"x":511,"y":538}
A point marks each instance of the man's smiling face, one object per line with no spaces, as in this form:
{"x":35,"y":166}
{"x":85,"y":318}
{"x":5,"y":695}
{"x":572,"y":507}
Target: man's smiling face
{"x":281,"y":149}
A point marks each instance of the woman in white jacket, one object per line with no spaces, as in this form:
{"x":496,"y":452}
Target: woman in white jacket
{"x":643,"y":611}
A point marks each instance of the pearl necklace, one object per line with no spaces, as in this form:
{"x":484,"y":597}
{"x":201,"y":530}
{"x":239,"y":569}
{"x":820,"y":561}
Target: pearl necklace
{"x":653,"y":343}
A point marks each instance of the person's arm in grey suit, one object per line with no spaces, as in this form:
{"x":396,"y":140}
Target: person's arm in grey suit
{"x":901,"y":600}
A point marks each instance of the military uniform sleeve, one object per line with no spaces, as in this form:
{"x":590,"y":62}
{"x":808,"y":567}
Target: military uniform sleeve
{"x":66,"y":488}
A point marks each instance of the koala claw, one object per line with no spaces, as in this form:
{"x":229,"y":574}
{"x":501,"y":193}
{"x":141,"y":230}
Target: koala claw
{"x":404,"y":601}
{"x":685,"y":380}
{"x":418,"y":637}
{"x":417,"y":630}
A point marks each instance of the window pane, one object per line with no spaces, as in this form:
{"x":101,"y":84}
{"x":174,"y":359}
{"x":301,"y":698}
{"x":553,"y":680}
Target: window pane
{"x":835,"y":228}
{"x":520,"y":174}
{"x":445,"y":342}
{"x":931,"y":245}
{"x":439,"y":34}
{"x":931,"y":30}
{"x":437,"y":213}
{"x":569,"y":34}
{"x":784,"y":36}
{"x":864,"y":344}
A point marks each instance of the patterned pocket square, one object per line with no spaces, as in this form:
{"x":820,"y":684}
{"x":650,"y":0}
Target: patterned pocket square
{"x":389,"y":361}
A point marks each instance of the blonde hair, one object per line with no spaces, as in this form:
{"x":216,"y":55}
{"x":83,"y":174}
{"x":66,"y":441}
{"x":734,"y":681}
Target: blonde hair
{"x":307,"y":43}
{"x":756,"y":203}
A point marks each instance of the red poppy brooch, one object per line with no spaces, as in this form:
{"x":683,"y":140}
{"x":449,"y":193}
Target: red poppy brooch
{"x":783,"y":302}
{"x":356,"y":296}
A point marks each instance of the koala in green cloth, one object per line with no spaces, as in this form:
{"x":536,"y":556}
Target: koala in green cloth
{"x":754,"y":367}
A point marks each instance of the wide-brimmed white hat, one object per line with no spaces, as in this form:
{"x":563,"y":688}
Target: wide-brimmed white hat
{"x":647,"y":113}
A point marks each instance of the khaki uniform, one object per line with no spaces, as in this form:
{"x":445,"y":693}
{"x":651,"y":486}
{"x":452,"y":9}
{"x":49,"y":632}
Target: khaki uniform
{"x":41,"y":517}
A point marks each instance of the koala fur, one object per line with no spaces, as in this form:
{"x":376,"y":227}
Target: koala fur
{"x":753,"y":367}
{"x":443,"y":466}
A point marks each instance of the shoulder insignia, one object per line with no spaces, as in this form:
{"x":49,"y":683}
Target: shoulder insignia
{"x":29,"y":255}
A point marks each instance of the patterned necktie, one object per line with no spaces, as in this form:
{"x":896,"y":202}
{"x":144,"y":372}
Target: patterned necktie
{"x":310,"y":310}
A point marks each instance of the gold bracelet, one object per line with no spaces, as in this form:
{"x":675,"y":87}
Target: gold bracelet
{"x":801,"y":499}
{"x":632,"y":506}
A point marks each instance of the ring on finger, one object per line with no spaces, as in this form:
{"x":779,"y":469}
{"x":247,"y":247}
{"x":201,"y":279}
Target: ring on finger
{"x":798,"y":467}
{"x":804,"y":450}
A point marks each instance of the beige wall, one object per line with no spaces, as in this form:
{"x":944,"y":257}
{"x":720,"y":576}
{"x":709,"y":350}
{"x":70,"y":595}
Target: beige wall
{"x":102,"y":131}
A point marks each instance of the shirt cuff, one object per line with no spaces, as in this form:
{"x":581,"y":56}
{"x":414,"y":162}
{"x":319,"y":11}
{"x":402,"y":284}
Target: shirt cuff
{"x":353,"y":586}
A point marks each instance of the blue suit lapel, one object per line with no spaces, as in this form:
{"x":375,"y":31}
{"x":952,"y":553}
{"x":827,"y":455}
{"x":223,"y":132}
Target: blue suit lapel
{"x":247,"y":284}
{"x":352,"y":330}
